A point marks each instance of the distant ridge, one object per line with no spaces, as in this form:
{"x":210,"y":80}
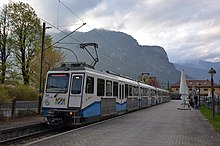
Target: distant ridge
{"x":199,"y":69}
{"x":121,"y":53}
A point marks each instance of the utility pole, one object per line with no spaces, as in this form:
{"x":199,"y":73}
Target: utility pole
{"x":41,"y":70}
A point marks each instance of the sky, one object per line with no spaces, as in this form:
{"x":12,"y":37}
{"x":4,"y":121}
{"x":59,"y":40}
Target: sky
{"x":188,"y":30}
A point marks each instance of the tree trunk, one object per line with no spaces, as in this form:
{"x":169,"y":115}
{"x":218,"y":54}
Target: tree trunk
{"x":3,"y":73}
{"x":3,"y":47}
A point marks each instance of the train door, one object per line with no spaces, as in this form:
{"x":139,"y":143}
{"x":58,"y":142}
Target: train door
{"x":122,"y":96}
{"x":75,"y":96}
{"x":140,"y":94}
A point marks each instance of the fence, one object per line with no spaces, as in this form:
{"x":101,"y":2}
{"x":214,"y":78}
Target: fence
{"x":207,"y":101}
{"x":14,"y":108}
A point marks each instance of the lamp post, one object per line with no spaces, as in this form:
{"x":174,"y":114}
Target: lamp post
{"x":212,"y":72}
{"x":198,"y":84}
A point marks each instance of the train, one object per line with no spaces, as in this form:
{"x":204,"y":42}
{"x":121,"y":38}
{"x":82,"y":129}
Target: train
{"x":77,"y":94}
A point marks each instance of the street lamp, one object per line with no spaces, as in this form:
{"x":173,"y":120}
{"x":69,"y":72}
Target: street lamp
{"x":212,"y":72}
{"x":198,"y":85}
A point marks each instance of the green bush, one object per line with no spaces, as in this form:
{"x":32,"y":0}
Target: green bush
{"x":26,"y":113}
{"x":4,"y":95}
{"x":1,"y":116}
{"x":22,"y":92}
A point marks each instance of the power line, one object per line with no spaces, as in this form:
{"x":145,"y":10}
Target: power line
{"x":71,"y":11}
{"x":59,"y":29}
{"x":95,"y":32}
{"x":58,"y":8}
{"x":67,"y":35}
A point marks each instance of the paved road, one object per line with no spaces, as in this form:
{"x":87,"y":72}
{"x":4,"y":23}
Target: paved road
{"x":162,"y":125}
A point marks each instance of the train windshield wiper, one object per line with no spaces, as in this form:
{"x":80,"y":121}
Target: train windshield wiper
{"x":62,"y":90}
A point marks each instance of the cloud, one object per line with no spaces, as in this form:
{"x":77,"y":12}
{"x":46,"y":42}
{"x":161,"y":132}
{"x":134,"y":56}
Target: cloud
{"x":187,"y":30}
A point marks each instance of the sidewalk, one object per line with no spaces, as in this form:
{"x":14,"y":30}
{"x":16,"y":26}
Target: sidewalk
{"x":162,"y":125}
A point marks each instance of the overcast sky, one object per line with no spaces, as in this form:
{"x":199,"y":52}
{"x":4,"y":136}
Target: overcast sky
{"x":187,"y":29}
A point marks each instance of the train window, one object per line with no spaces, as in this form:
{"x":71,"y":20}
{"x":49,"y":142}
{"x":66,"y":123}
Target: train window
{"x":89,"y":85}
{"x":115,"y":88}
{"x":57,"y":82}
{"x":130,"y":90}
{"x":100,"y":87}
{"x":108,"y":88}
{"x":153,"y":92}
{"x":144,"y":91}
{"x":126,"y":90}
{"x":120,"y":95}
{"x":76,"y":84}
{"x":147,"y":92}
{"x":123,"y":95}
{"x":135,"y":91}
{"x":141,"y":91}
{"x":136,"y":88}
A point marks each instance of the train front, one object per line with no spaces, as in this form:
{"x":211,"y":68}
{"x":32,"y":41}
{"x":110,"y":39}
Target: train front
{"x":62,"y":97}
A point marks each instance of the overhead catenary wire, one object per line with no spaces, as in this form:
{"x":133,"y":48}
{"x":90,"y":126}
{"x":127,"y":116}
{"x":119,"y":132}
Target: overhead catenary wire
{"x":98,"y":35}
{"x":67,"y":35}
{"x":71,"y":11}
{"x":58,"y":29}
{"x":58,"y":8}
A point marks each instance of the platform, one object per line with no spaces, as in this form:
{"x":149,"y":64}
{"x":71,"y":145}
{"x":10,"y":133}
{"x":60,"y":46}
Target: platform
{"x":162,"y":125}
{"x":17,"y":122}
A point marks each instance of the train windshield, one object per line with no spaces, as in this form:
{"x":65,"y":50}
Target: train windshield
{"x":57,"y":82}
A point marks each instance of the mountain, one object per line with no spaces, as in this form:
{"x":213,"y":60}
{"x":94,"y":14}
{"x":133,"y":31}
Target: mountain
{"x":199,"y":69}
{"x":120,"y":53}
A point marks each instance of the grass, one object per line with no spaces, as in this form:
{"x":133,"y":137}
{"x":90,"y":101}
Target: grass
{"x":207,"y":113}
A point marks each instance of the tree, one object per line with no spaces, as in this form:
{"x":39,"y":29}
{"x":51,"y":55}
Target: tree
{"x":52,"y":58}
{"x":4,"y":43}
{"x":25,"y":34}
{"x":153,"y":82}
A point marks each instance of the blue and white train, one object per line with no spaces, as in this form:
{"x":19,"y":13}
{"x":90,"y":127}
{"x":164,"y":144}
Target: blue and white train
{"x":77,"y":94}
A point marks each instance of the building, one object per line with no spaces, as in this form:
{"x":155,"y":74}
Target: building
{"x":195,"y":85}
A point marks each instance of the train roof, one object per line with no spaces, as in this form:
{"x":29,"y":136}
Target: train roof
{"x":147,"y":86}
{"x":88,"y":68}
{"x":78,"y":67}
{"x":162,"y":90}
{"x":72,"y":66}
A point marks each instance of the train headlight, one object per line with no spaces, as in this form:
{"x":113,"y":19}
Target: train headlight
{"x":71,"y":113}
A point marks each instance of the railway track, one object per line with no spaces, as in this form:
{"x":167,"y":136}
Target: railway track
{"x":19,"y":135}
{"x":26,"y":134}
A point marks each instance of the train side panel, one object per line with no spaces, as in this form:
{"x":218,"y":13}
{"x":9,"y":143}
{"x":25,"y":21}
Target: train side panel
{"x":82,"y":95}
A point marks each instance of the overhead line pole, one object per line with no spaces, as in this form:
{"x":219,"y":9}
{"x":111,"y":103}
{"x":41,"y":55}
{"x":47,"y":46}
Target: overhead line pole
{"x":41,"y":70}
